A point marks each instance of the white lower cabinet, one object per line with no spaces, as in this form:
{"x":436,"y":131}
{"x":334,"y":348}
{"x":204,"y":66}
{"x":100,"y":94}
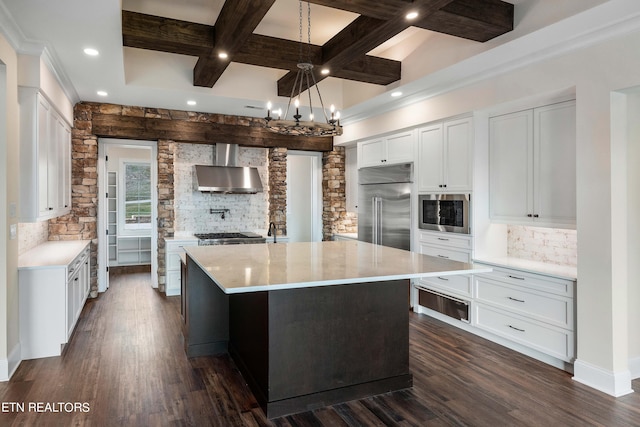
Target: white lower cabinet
{"x":51,"y":296}
{"x":533,"y":310}
{"x":175,"y":247}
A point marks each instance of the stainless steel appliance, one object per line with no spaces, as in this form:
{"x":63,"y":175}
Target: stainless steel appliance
{"x":384,"y":205}
{"x":445,"y":304}
{"x":444,"y":212}
{"x":225,"y":177}
{"x":244,"y":237}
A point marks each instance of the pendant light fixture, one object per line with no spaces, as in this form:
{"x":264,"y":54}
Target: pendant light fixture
{"x":304,"y":81}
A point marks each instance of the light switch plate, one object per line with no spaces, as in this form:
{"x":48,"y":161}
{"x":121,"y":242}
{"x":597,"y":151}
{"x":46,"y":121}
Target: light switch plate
{"x":13,"y":231}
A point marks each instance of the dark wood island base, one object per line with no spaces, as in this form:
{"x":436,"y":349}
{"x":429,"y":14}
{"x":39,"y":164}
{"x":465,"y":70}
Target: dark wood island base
{"x":304,"y":348}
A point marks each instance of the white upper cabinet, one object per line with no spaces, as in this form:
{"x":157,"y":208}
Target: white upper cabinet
{"x":532,"y":166}
{"x":396,"y":148}
{"x":351,"y":178}
{"x":445,"y":157}
{"x":45,"y":159}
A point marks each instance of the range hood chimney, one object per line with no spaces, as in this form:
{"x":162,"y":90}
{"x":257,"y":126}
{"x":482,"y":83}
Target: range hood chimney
{"x":225,"y":177}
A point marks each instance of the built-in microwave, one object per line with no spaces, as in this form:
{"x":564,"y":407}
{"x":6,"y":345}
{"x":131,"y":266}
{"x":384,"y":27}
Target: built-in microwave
{"x":445,"y":212}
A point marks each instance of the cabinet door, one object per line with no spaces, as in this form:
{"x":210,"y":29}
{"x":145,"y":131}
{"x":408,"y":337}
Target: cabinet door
{"x":53,"y":162}
{"x":371,"y":153}
{"x":73,"y":288}
{"x":42,"y":126}
{"x":351,"y":177}
{"x":458,"y":155}
{"x":400,"y":148}
{"x":430,"y":166}
{"x":555,"y":164}
{"x":511,"y":166}
{"x":64,"y":168}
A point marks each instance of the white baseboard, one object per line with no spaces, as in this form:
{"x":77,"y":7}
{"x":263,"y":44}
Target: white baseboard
{"x":9,"y":365}
{"x":634,"y":367}
{"x":615,"y":384}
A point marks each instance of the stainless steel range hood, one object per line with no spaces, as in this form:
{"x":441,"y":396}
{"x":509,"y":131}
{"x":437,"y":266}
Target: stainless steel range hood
{"x":225,"y":177}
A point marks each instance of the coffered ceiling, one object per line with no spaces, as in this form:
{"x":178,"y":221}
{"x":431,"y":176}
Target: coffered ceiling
{"x":163,"y":53}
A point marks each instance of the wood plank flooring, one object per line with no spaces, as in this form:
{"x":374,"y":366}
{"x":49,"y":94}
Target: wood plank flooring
{"x":126,"y":361}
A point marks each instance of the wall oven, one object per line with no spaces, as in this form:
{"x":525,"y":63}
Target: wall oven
{"x":445,"y":212}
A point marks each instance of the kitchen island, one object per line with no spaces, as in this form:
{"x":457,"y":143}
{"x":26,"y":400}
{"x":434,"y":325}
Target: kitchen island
{"x":308,"y":324}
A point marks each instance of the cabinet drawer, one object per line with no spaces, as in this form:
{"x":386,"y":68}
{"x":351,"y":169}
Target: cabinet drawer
{"x":530,"y":280}
{"x":553,"y":341}
{"x":545,"y":307}
{"x":460,"y":284}
{"x":448,"y":253}
{"x":446,"y":239}
{"x":173,"y":261}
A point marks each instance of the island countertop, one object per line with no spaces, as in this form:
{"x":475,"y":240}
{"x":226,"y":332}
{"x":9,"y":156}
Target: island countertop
{"x":274,"y":266}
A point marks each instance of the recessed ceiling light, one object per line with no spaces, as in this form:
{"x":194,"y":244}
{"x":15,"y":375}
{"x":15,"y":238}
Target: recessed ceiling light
{"x":191,"y":102}
{"x":396,"y":94}
{"x":411,"y":15}
{"x":91,"y":51}
{"x":102,"y":93}
{"x":325,"y":71}
{"x":223,"y":55}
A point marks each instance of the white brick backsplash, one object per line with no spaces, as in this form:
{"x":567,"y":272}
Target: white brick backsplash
{"x":550,"y":245}
{"x":31,"y":234}
{"x":247,"y":212}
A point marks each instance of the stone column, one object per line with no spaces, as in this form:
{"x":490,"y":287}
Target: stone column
{"x":278,"y":189}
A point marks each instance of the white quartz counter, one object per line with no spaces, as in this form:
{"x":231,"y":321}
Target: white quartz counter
{"x":52,"y":254}
{"x":251,"y":268}
{"x":554,"y":270}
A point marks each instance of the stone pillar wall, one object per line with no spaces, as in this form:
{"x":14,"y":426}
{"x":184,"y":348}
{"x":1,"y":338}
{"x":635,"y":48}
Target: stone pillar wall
{"x":278,"y":189}
{"x":81,"y":223}
{"x":166,"y":212}
{"x":335,"y":218}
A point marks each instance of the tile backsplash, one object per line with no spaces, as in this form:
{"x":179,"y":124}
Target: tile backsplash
{"x":247,"y":212}
{"x":556,"y":246}
{"x":31,"y":234}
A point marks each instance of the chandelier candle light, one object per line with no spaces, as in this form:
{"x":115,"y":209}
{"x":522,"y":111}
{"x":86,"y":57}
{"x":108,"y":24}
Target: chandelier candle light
{"x":304,"y":81}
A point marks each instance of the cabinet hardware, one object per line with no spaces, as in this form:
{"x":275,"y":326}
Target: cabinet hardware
{"x":529,"y":215}
{"x":536,"y":216}
{"x":515,"y":277}
{"x":515,"y":299}
{"x":517,"y":329}
{"x":443,"y":278}
{"x":440,"y":238}
{"x":442,"y":256}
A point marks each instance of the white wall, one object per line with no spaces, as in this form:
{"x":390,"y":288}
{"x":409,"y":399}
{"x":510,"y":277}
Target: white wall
{"x":9,"y":161}
{"x":592,"y":73}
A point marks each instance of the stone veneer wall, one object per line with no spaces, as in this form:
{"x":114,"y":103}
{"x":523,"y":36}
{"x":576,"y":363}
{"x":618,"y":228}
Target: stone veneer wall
{"x":278,"y":189}
{"x":166,"y":196}
{"x":335,"y":218}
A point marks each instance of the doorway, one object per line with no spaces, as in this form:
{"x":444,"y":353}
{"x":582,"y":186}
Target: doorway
{"x":127,"y":209}
{"x":304,"y":196}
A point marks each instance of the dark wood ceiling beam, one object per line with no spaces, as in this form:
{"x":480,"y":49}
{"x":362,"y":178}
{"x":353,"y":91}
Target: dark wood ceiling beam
{"x":235,"y":24}
{"x":165,"y":34}
{"x":359,"y":37}
{"x":143,"y":128}
{"x":478,"y":20}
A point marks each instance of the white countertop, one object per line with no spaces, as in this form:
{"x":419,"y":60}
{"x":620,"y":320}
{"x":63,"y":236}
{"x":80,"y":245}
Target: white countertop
{"x":263,"y":267}
{"x":555,"y":270}
{"x":353,"y":236}
{"x":52,"y":254}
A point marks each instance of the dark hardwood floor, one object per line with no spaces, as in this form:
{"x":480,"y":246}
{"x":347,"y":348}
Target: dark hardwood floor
{"x":126,"y":361}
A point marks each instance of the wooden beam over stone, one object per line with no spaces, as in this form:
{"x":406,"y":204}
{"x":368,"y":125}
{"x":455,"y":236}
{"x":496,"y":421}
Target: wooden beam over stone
{"x":143,"y":128}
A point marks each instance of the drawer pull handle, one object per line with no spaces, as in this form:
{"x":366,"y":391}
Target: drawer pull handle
{"x":440,"y":238}
{"x":442,"y":256}
{"x":443,"y":278}
{"x":517,"y":329}
{"x":515,"y":277}
{"x":515,"y":299}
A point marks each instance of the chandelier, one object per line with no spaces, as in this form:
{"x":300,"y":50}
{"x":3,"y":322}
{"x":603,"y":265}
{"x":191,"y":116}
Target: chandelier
{"x":304,"y":81}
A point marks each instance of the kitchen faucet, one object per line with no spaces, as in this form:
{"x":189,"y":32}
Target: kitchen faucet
{"x":271,"y":224}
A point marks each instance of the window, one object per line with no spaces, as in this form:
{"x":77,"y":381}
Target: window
{"x":137,"y":196}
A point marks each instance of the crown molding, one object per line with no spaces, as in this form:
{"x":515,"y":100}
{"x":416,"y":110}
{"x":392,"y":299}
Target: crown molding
{"x":24,"y":46}
{"x":607,"y":21}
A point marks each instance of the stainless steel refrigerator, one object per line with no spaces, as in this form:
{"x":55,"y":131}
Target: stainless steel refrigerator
{"x":384,"y":205}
